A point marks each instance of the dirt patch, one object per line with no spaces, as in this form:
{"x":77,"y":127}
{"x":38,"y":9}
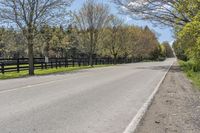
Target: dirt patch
{"x":176,"y":107}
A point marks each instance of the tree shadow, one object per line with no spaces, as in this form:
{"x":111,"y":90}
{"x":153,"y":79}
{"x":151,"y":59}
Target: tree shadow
{"x":175,"y":68}
{"x":165,"y":68}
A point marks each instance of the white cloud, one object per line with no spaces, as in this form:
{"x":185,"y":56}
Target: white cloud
{"x":127,"y":19}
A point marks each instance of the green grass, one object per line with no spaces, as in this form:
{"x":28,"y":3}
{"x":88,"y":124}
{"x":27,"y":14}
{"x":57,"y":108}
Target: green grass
{"x":187,"y":67}
{"x":21,"y":65}
{"x":11,"y":75}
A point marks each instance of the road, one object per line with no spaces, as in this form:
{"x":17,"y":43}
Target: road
{"x":100,"y":100}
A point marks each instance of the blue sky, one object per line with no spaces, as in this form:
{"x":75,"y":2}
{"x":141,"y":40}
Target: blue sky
{"x":165,"y":33}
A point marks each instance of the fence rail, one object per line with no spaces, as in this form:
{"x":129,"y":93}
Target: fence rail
{"x":21,"y":64}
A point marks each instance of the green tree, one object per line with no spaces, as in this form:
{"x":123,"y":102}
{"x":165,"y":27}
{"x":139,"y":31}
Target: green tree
{"x":29,"y":15}
{"x":189,"y":37}
{"x":114,"y":38}
{"x":180,"y":51}
{"x":168,"y":49}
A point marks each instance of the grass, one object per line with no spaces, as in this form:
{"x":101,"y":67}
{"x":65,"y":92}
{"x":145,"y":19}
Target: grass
{"x":11,"y":75}
{"x":21,"y":65}
{"x":187,"y":67}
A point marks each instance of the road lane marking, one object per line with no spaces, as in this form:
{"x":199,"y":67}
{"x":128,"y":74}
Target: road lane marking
{"x":39,"y":84}
{"x":30,"y":86}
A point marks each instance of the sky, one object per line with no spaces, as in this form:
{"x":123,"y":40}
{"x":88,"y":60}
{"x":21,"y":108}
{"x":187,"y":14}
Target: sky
{"x":163,"y":33}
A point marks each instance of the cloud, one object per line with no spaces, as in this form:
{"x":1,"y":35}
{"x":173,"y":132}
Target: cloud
{"x":127,"y":19}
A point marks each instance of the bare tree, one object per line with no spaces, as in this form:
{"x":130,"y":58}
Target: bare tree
{"x":90,"y":21}
{"x":28,"y":15}
{"x":163,"y":11}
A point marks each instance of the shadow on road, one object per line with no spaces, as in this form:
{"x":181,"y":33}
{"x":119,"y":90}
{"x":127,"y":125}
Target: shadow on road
{"x":163,"y":68}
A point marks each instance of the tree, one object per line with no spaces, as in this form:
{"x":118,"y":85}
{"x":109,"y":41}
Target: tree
{"x":90,"y":21}
{"x":28,"y":15}
{"x":45,"y":36}
{"x":113,"y":38}
{"x":180,"y":51}
{"x":133,"y":43}
{"x":59,"y":41}
{"x":145,"y":43}
{"x":167,"y":12}
{"x":12,"y":43}
{"x":189,"y":37}
{"x":168,"y":49}
{"x":130,"y":41}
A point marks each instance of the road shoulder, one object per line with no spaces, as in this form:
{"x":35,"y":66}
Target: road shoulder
{"x":176,"y":107}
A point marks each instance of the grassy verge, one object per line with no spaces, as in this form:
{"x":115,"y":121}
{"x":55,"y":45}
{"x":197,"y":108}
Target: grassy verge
{"x":187,"y":68}
{"x":11,"y":75}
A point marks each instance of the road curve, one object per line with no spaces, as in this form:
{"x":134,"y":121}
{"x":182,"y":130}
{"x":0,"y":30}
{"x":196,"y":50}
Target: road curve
{"x":100,"y":100}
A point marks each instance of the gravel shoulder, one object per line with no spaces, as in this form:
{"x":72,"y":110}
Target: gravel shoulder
{"x":176,"y":107}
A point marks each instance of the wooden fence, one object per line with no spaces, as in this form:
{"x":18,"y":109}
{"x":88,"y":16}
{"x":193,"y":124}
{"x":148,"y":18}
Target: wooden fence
{"x":21,"y":64}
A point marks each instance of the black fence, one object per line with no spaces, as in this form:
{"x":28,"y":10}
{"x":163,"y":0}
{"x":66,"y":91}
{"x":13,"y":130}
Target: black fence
{"x":21,"y":64}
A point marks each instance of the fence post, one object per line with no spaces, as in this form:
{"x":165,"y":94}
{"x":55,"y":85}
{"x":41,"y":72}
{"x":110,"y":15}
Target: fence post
{"x":56,"y":64}
{"x":73,"y":64}
{"x":87,"y":62}
{"x":18,"y":69}
{"x":2,"y":68}
{"x":84,"y":61}
{"x":59,"y":64}
{"x":42,"y":67}
{"x":95,"y":61}
{"x":34,"y":62}
{"x":106,"y":60}
{"x":79,"y":62}
{"x":65,"y":62}
{"x":45,"y":65}
{"x":51,"y":64}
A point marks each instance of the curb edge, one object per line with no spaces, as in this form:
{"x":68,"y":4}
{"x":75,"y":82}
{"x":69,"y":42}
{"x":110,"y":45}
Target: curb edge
{"x":131,"y":128}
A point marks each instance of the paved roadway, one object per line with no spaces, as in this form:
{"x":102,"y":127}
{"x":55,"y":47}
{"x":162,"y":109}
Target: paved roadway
{"x":100,"y":100}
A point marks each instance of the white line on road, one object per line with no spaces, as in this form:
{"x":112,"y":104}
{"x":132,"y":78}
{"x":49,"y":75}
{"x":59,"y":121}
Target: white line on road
{"x":131,"y":128}
{"x":33,"y":85}
{"x":29,"y":86}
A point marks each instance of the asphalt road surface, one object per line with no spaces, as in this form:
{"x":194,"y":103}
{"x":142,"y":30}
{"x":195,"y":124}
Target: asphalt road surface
{"x":100,"y":100}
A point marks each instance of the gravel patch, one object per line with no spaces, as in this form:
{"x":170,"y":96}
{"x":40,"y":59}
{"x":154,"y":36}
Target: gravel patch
{"x":176,"y":107}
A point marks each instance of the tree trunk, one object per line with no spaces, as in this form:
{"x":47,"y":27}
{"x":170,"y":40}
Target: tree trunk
{"x":31,"y":56}
{"x":46,"y":50}
{"x":91,"y":60}
{"x":115,"y":59}
{"x":92,"y":45}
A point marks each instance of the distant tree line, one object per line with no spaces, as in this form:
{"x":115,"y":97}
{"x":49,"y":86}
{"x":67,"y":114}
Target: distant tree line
{"x":115,"y":41}
{"x":93,"y":32}
{"x":182,"y":15}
